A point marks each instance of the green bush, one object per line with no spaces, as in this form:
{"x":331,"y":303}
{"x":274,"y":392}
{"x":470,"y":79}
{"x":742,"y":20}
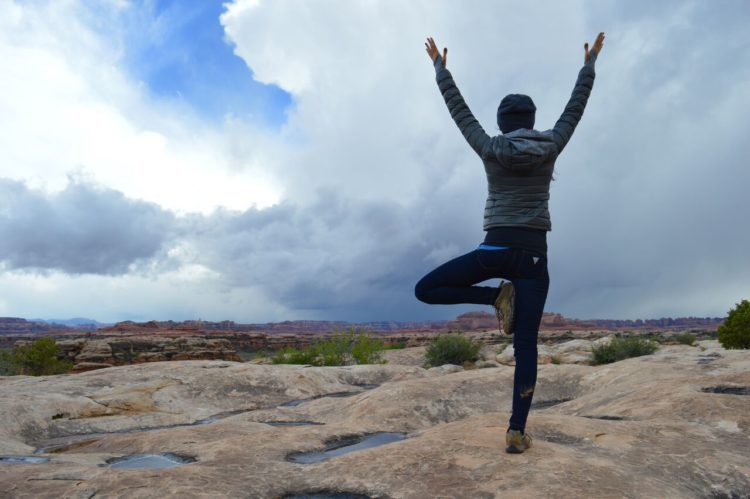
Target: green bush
{"x":38,"y":358}
{"x":290,"y":355}
{"x":395,"y":346}
{"x":735,"y":331}
{"x":366,"y":349}
{"x":342,"y":348}
{"x":619,"y":349}
{"x":686,"y":339}
{"x":6,"y":367}
{"x":452,"y":348}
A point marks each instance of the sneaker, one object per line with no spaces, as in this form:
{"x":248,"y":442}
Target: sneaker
{"x":505,"y":306}
{"x":516,"y":441}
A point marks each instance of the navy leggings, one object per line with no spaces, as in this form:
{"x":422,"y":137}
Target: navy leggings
{"x":454,"y":282}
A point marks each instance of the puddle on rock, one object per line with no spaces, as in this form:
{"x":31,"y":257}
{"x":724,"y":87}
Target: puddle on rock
{"x":727,"y":390}
{"x":543,"y":404}
{"x":340,"y":446}
{"x":65,"y":444}
{"x":326,"y":494}
{"x":296,"y":402}
{"x":23,"y":460}
{"x":608,"y":418}
{"x":708,"y":358}
{"x":291,"y":423}
{"x":71,"y":442}
{"x":150,"y":461}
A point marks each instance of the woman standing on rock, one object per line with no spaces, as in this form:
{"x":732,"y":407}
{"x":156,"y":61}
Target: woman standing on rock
{"x":519,"y":165}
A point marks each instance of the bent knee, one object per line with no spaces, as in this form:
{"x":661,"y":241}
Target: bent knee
{"x":422,"y":292}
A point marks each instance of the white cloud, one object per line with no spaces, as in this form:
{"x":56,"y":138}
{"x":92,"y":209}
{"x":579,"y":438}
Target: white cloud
{"x":374,"y":183}
{"x":68,"y":106}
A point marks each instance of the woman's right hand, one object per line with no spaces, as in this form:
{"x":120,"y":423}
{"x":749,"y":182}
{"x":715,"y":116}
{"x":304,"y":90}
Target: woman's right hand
{"x":596,"y":49}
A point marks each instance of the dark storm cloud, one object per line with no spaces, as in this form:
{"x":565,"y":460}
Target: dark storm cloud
{"x":651,"y":199}
{"x":340,"y":256}
{"x":83,"y":229}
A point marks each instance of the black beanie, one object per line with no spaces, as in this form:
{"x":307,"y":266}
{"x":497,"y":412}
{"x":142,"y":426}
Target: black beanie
{"x":515,"y":111}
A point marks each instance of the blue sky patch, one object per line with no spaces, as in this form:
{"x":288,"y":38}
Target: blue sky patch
{"x":177,"y":48}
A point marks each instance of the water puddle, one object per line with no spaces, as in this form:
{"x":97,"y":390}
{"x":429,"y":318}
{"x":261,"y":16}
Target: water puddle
{"x":23,"y":460}
{"x":150,"y":461}
{"x":291,"y":423}
{"x":345,"y":445}
{"x":326,"y":494}
{"x":367,"y":386}
{"x":727,"y":390}
{"x":608,"y":418}
{"x":543,"y":404}
{"x":296,"y":402}
{"x":64,"y":444}
{"x":71,"y":442}
{"x":707,"y":358}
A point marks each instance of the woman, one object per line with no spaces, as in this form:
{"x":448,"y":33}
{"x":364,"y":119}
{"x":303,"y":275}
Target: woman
{"x":519,"y":165}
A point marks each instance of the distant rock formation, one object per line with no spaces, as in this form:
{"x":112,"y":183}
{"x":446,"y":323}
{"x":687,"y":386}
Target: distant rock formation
{"x":98,"y":353}
{"x":16,"y":325}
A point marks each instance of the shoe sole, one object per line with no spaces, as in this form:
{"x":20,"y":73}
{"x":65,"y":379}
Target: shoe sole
{"x":507,"y":295}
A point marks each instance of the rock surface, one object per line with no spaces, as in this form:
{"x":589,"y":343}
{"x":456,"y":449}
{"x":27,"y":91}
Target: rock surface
{"x":672,"y":424}
{"x":567,"y":352}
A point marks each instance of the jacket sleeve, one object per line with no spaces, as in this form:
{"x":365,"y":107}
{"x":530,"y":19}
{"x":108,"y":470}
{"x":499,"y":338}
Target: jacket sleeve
{"x":563,"y":129}
{"x":460,"y":112}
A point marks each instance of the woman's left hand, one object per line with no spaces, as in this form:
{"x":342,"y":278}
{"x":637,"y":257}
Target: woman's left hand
{"x":433,"y":51}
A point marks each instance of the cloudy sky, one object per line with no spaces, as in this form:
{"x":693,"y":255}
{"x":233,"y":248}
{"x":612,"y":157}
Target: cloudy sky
{"x":261,"y":160}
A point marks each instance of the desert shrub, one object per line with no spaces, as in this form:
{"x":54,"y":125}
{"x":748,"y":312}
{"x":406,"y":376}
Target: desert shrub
{"x":555,"y":360}
{"x":735,"y":331}
{"x":686,"y":339}
{"x":452,"y":348}
{"x":6,"y":367}
{"x":366,"y":350}
{"x":38,"y":358}
{"x":395,"y":346}
{"x":331,"y":352}
{"x":622,"y":348}
{"x":290,"y":355}
{"x":352,"y":346}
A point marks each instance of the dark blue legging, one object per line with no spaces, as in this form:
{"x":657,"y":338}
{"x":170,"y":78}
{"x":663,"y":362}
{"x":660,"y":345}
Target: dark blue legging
{"x":454,"y":282}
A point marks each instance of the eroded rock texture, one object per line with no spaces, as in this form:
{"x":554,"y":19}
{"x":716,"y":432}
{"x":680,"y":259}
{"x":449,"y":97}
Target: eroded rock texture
{"x":672,"y":424}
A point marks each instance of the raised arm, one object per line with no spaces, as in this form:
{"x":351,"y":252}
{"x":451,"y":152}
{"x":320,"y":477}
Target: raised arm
{"x":563,"y":129}
{"x":460,"y":112}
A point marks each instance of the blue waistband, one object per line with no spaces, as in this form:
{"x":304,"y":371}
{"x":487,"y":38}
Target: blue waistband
{"x":488,"y":247}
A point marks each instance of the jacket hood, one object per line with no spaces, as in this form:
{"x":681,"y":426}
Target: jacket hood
{"x":526,"y":148}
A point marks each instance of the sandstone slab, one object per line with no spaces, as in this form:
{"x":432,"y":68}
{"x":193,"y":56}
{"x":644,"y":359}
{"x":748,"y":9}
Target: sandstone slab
{"x":672,"y":424}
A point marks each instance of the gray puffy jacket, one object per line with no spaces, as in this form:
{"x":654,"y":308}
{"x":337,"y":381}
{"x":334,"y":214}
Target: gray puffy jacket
{"x":518,"y":164}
